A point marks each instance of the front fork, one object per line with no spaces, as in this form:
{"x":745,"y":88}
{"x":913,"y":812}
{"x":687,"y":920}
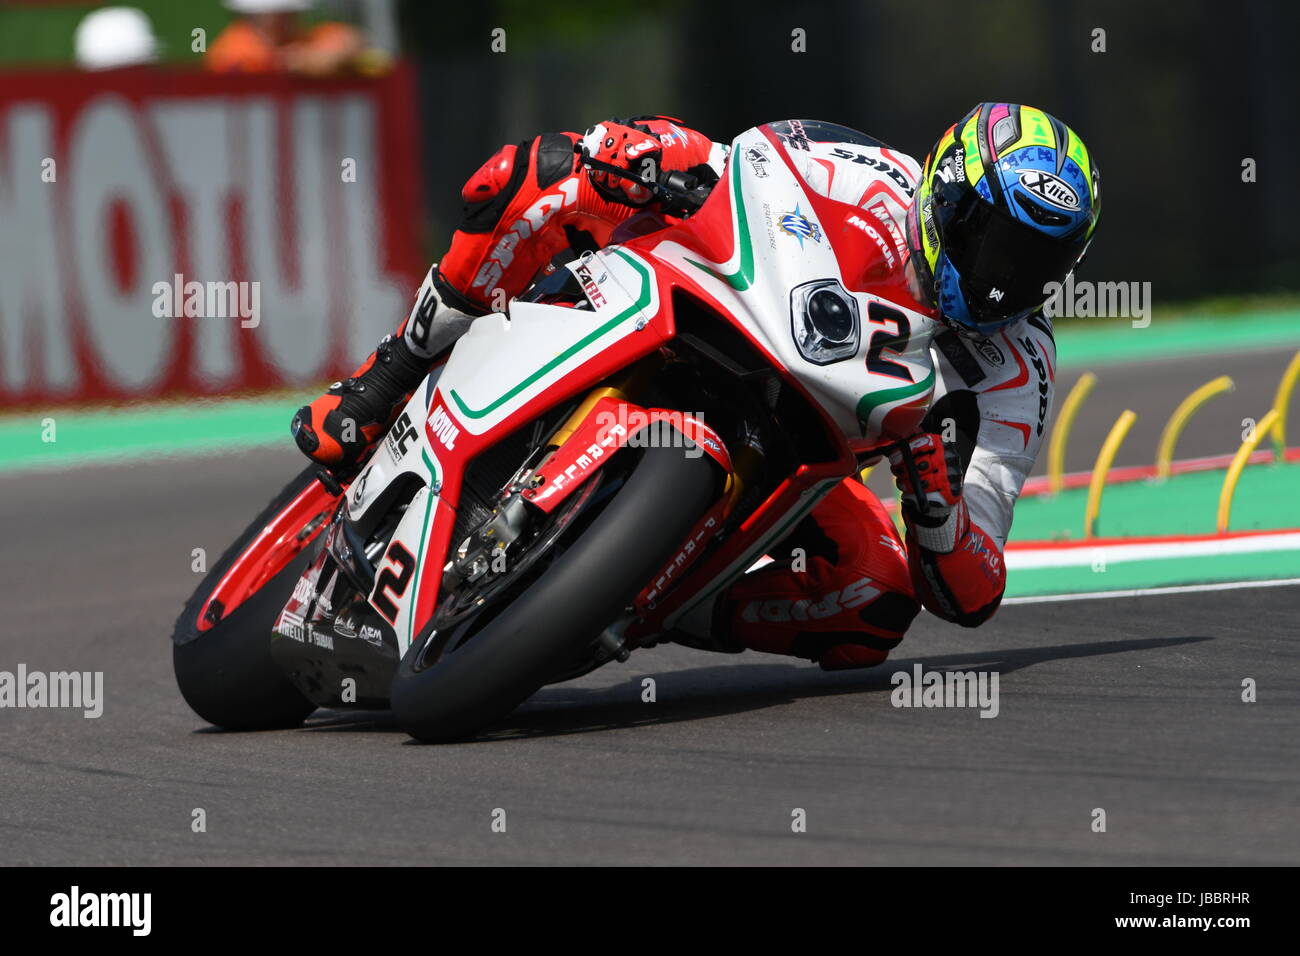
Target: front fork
{"x":603,"y":425}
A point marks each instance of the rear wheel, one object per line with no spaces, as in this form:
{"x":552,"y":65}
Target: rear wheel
{"x":223,"y":666}
{"x":514,"y":648}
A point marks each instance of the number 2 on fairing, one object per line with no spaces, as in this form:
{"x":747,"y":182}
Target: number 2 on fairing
{"x":888,"y":341}
{"x":394,"y":581}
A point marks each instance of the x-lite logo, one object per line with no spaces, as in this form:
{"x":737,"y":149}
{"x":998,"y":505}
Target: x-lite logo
{"x":1050,"y":188}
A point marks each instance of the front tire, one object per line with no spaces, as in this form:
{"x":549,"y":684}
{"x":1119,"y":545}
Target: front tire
{"x":544,"y":629}
{"x":226,"y":673}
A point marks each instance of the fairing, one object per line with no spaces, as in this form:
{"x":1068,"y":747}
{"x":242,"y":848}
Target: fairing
{"x":758,"y":253}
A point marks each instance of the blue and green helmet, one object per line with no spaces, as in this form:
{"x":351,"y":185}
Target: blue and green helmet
{"x":1007,"y":204}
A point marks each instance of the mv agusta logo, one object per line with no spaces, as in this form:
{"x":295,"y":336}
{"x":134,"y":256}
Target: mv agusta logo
{"x":800,"y":226}
{"x":443,"y":428}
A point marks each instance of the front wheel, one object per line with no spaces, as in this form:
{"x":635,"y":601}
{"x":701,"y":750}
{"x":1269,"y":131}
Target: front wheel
{"x":523,"y":645}
{"x":222,"y":649}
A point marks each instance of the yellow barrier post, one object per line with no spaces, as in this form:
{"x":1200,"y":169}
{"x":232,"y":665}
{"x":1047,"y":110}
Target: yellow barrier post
{"x":1061,"y":430}
{"x":1184,"y":411}
{"x":1280,"y":402}
{"x":1105,"y":457}
{"x":1238,"y":465}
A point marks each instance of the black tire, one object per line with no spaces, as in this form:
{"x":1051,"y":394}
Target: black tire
{"x":226,"y":673}
{"x":560,"y":613}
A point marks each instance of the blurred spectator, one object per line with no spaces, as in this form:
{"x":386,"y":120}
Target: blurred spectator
{"x":114,"y":37}
{"x":269,"y":36}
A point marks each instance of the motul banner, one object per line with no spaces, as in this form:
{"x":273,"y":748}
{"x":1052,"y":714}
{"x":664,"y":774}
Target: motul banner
{"x":171,"y":233}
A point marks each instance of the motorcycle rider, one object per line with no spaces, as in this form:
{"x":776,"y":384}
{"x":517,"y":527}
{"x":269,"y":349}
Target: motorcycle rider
{"x":1007,"y":202}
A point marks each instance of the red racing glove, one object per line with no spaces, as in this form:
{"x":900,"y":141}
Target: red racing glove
{"x":637,"y":151}
{"x":929,"y":475}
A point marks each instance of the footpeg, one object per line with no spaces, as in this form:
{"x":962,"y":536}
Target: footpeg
{"x":612,"y":643}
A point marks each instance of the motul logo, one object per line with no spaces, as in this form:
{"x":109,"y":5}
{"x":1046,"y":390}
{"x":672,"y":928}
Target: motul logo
{"x":870,"y":230}
{"x":443,"y":428}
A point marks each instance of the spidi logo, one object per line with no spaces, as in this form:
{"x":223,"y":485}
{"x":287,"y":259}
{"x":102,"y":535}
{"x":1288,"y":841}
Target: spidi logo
{"x":530,"y":223}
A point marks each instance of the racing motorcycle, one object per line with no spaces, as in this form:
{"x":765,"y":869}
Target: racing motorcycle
{"x":586,"y":471}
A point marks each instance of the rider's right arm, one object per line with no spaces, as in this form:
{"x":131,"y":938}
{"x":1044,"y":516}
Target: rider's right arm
{"x":994,"y":396}
{"x":1000,"y":391}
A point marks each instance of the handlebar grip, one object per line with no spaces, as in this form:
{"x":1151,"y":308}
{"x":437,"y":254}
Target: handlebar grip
{"x":678,"y":192}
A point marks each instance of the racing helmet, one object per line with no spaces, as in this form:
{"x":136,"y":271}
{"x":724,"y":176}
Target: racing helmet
{"x":1007,"y":203}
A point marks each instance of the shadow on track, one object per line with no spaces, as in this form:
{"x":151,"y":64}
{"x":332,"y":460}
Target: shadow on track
{"x":702,"y":693}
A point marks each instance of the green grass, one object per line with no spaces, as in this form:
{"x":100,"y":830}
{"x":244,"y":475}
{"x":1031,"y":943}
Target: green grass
{"x":127,"y":432}
{"x":1265,"y":499}
{"x":1113,"y":341}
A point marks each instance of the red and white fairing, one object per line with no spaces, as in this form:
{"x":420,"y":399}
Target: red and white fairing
{"x":782,"y":223}
{"x":821,"y":212}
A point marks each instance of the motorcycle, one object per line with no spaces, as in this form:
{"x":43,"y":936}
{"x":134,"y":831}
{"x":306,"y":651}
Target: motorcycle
{"x":586,"y":471}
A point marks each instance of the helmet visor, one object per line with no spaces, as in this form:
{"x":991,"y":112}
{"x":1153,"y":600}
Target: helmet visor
{"x":1003,"y":263}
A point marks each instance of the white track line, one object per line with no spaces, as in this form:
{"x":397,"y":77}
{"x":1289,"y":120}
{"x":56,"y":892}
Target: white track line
{"x":1082,"y":555}
{"x":1142,"y":592}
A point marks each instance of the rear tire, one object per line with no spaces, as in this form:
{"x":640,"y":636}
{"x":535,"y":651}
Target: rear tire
{"x":550,"y":624}
{"x":226,"y":673}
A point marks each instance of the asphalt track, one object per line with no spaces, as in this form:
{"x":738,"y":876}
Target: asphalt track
{"x":1129,"y":705}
